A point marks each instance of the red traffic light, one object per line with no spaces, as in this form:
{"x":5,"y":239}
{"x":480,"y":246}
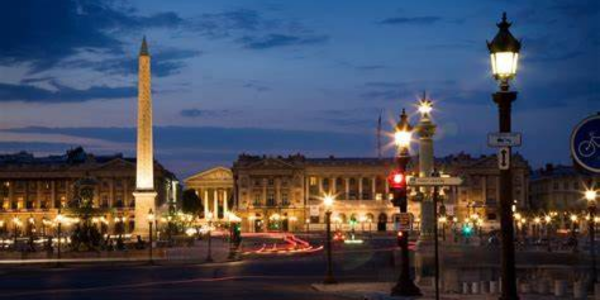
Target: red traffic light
{"x":397,"y":180}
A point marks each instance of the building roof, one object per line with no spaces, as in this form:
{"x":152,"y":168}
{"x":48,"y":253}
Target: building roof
{"x":554,"y":171}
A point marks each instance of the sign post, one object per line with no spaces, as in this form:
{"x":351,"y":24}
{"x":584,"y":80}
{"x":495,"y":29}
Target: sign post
{"x":504,"y":139}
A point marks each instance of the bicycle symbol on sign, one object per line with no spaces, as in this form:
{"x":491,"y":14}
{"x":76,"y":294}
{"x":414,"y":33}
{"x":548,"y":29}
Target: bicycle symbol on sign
{"x":589,"y":147}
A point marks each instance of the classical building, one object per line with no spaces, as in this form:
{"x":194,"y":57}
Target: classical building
{"x":285,"y":193}
{"x":215,"y":187}
{"x":38,"y":186}
{"x":480,"y":192}
{"x":560,"y":188}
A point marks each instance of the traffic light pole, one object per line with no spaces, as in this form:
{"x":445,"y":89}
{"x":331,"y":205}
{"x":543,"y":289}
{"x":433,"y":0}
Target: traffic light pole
{"x":405,"y":286}
{"x":436,"y":242}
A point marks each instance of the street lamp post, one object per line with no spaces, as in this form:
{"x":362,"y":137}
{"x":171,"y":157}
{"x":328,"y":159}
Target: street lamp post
{"x":151,"y":218}
{"x":591,"y":196}
{"x":504,"y":53}
{"x":328,"y":203}
{"x":402,"y":136}
{"x":209,"y":254}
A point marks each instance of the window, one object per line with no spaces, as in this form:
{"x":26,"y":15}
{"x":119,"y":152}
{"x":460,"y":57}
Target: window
{"x":555,"y":186}
{"x":271,"y":181}
{"x":284,"y":199}
{"x":256,"y":199}
{"x":312,"y":181}
{"x":271,"y":199}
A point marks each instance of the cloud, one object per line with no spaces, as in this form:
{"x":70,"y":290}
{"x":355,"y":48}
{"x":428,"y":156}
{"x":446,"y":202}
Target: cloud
{"x":370,"y":67}
{"x":60,"y":93}
{"x":253,"y":31}
{"x":43,"y":33}
{"x":164,"y":63}
{"x":279,"y":40}
{"x":425,"y":20}
{"x":258,"y":87}
{"x":196,"y":113}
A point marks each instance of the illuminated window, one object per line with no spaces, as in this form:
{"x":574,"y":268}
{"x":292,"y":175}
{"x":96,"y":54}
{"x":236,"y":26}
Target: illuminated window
{"x":312,"y":181}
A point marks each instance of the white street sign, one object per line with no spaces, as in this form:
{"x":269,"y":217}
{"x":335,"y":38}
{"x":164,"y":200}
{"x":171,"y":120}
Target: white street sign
{"x":504,"y":139}
{"x":504,"y":158}
{"x":434,"y":181}
{"x":450,"y":209}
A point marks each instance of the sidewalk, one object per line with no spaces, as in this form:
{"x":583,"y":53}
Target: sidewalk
{"x":381,"y":291}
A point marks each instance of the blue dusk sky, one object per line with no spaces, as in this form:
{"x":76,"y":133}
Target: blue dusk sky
{"x":282,"y":77}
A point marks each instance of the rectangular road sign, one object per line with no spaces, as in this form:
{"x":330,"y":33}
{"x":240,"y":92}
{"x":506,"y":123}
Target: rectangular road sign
{"x":504,"y":139}
{"x":504,"y":158}
{"x":434,"y":181}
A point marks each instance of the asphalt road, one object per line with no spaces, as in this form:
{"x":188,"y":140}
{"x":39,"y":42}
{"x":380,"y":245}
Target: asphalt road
{"x":279,"y":277}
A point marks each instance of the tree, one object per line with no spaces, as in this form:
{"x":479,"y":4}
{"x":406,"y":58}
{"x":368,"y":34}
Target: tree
{"x":191,"y":203}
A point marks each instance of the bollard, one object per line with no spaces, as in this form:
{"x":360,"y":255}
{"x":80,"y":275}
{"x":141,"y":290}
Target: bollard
{"x":542,"y":287}
{"x":493,"y":287}
{"x":475,"y":288}
{"x":560,"y":288}
{"x":485,"y":287}
{"x":465,"y":288}
{"x":579,"y":290}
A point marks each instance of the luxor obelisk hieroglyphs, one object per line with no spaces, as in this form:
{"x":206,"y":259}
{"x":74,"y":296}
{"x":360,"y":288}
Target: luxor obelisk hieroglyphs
{"x":145,"y":195}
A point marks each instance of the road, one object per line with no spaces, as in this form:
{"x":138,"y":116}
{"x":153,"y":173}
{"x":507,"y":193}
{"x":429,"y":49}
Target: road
{"x":272,"y":277}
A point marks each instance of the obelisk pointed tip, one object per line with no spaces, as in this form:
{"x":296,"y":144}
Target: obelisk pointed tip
{"x":144,"y":48}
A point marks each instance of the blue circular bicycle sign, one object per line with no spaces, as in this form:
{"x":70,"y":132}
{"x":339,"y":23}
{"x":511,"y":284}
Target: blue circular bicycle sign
{"x":585,"y":143}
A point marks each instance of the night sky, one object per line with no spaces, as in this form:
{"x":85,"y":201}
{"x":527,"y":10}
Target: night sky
{"x":281,"y":77}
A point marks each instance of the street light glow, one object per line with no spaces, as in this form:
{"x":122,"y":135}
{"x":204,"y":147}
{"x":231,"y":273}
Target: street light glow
{"x":590,"y":195}
{"x":328,"y":200}
{"x":425,"y":107}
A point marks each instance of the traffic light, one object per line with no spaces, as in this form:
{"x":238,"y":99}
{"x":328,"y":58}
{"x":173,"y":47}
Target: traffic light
{"x":467,"y":230}
{"x":400,"y":237}
{"x":397,"y":183}
{"x":236,"y":229}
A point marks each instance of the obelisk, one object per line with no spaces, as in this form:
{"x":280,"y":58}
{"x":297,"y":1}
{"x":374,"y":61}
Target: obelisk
{"x":145,"y":195}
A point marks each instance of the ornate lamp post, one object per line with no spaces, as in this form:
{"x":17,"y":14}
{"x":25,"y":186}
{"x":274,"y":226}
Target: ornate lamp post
{"x":209,"y":258}
{"x":150,"y":218}
{"x":402,"y":137}
{"x":591,"y":196}
{"x":328,"y":203}
{"x":504,"y":54}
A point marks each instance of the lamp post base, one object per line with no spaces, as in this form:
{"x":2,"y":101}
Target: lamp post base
{"x":329,"y":280}
{"x":406,"y":289}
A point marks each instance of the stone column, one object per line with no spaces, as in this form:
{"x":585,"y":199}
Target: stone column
{"x":206,"y":211}
{"x":225,"y":204}
{"x":347,"y":188}
{"x":53,"y":196}
{"x":360,"y":188}
{"x":11,"y":193}
{"x":424,"y":262}
{"x":425,"y":131}
{"x":320,"y":181}
{"x":111,"y":198}
{"x":374,"y":187}
{"x":332,"y":184}
{"x":39,"y":195}
{"x":216,"y":204}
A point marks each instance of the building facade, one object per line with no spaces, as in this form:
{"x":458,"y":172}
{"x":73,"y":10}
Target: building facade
{"x":215,"y":188}
{"x":285,"y":193}
{"x":36,"y":187}
{"x":561,"y":188}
